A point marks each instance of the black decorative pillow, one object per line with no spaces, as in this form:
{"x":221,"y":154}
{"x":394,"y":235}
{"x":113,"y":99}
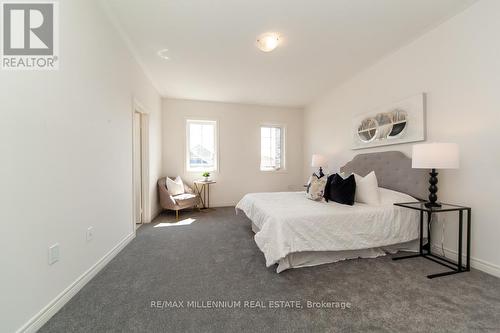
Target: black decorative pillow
{"x":340,"y":190}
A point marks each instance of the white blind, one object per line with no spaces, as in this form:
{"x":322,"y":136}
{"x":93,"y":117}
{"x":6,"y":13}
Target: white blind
{"x":271,"y":143}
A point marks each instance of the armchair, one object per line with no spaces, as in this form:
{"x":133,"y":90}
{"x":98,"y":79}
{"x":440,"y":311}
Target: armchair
{"x":188,"y":199}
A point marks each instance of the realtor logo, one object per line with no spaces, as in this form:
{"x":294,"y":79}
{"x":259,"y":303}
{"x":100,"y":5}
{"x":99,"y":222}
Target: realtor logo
{"x":30,"y":36}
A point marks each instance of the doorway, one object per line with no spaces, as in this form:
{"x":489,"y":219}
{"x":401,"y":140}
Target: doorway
{"x":140,"y":165}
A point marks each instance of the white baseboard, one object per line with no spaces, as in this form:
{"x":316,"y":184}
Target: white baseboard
{"x":479,"y":264}
{"x":222,"y":204}
{"x":57,"y":303}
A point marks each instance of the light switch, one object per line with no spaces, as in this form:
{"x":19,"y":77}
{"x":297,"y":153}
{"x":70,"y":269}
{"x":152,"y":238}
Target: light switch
{"x":53,"y":253}
{"x":90,"y":233}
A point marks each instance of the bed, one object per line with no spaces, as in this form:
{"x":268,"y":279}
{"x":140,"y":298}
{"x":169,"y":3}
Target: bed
{"x":294,"y":232}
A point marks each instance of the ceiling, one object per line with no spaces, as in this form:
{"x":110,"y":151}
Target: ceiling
{"x":212,"y":53}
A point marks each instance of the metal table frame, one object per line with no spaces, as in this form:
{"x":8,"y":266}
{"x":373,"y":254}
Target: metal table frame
{"x":425,"y":250}
{"x":203,"y":191}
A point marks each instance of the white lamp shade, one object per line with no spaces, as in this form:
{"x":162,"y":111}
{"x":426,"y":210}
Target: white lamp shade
{"x":435,"y":156}
{"x":319,"y":161}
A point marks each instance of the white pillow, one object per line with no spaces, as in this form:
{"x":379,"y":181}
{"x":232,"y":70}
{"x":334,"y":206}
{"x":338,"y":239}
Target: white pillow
{"x":390,"y":197}
{"x":175,"y":187}
{"x":344,"y":175}
{"x":367,"y":189}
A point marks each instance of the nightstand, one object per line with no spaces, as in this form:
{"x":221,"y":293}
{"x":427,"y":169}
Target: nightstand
{"x":202,"y":187}
{"x":426,"y":251}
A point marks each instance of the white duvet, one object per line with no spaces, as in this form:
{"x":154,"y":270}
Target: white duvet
{"x":290,"y":223}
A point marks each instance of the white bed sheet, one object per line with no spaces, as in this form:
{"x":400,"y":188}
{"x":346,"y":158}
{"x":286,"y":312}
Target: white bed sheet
{"x":315,"y":258}
{"x":289,"y":223}
{"x":306,"y":259}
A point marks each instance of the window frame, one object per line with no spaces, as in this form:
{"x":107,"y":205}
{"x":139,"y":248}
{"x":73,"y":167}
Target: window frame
{"x":187,"y":165}
{"x":283,"y":129}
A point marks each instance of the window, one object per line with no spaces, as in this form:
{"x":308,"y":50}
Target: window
{"x":201,"y":145}
{"x":271,"y":148}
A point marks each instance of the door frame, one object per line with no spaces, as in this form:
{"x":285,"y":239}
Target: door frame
{"x":146,"y":205}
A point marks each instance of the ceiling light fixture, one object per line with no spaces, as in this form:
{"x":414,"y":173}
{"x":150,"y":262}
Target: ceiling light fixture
{"x":268,"y":41}
{"x":163,"y":54}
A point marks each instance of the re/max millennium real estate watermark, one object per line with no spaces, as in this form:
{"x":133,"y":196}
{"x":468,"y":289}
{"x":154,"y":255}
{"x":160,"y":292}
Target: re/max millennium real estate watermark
{"x":249,"y":304}
{"x":30,"y":35}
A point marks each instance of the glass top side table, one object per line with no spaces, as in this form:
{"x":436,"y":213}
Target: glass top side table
{"x":426,"y":251}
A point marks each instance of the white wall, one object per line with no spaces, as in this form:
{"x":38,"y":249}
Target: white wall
{"x":239,"y":147}
{"x":153,"y":109}
{"x":65,"y":147}
{"x":458,"y":66}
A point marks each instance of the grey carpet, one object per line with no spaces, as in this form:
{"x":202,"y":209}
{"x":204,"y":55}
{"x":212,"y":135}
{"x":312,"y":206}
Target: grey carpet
{"x":215,"y":258}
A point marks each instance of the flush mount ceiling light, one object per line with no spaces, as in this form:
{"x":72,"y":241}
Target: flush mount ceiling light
{"x":268,"y":41}
{"x":163,"y":54}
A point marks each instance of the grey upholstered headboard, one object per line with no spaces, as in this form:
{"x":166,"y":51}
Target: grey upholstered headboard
{"x":393,"y":170}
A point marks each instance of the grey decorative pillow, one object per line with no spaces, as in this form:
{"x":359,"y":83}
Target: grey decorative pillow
{"x":316,"y":188}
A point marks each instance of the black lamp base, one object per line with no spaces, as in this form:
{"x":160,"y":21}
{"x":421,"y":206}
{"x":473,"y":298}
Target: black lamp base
{"x":320,"y":173}
{"x":433,"y":180}
{"x":432,"y":205}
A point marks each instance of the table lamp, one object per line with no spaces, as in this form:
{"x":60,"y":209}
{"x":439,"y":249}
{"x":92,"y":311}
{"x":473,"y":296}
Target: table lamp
{"x":435,"y":156}
{"x":319,"y":161}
